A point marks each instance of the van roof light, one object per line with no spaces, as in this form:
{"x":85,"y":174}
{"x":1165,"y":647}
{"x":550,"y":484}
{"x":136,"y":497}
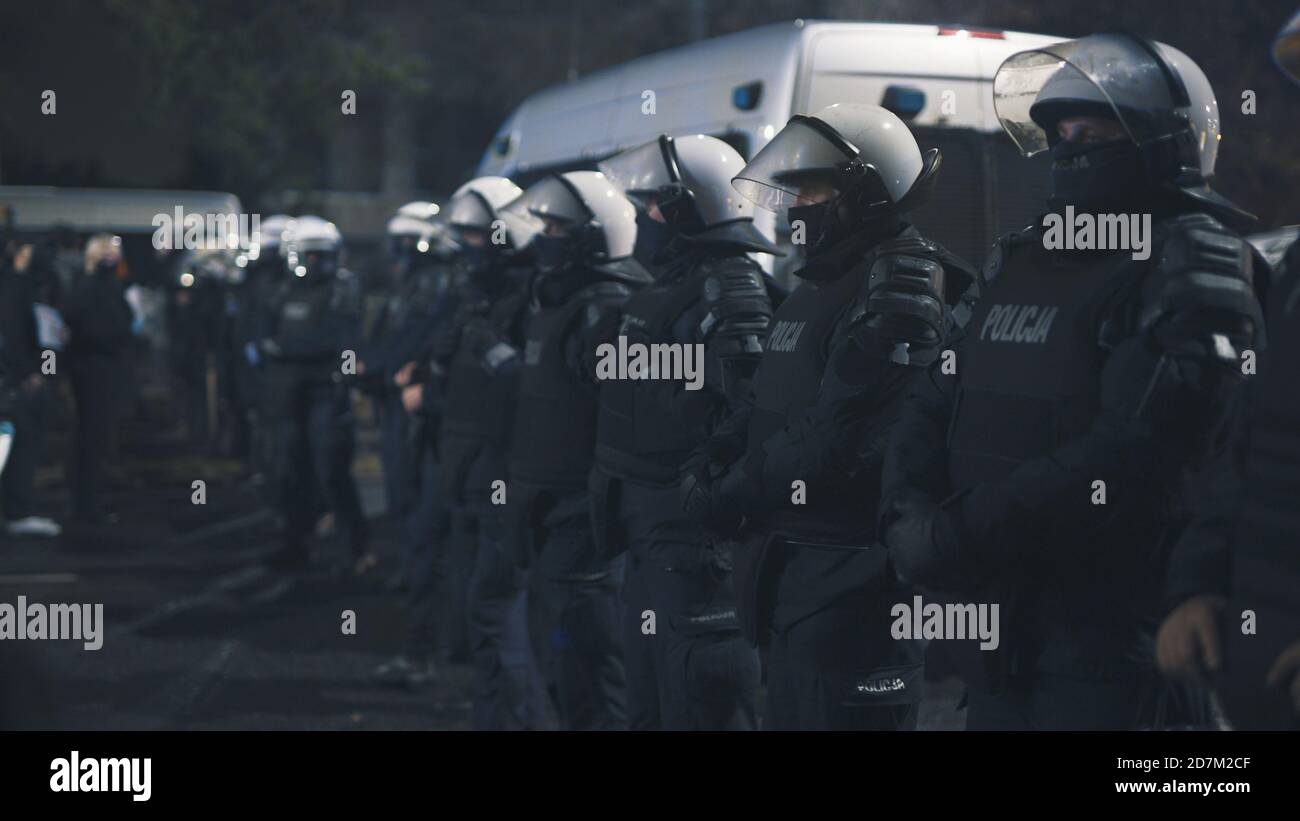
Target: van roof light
{"x":980,"y":34}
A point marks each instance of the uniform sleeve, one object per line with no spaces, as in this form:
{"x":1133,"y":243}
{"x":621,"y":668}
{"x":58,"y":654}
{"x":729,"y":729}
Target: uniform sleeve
{"x":730,"y":322}
{"x":595,"y":324}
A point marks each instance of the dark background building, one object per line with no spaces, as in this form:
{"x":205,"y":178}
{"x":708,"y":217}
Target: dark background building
{"x":246,"y":96}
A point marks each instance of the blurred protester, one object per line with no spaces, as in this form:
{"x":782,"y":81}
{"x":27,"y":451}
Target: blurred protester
{"x":20,"y":283}
{"x":312,"y":327}
{"x":101,"y":324}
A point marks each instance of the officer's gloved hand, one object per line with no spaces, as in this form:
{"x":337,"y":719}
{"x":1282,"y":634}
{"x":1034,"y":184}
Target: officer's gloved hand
{"x":921,"y":540}
{"x":709,"y":493}
{"x":478,"y":336}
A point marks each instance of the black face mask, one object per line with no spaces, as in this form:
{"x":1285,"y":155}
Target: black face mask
{"x":814,"y":218}
{"x":1097,"y":177}
{"x":475,"y":258}
{"x":106,"y":270}
{"x":554,"y":252}
{"x":652,"y":237}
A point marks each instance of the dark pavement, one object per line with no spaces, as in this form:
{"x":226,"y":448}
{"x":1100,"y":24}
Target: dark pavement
{"x":195,"y":636}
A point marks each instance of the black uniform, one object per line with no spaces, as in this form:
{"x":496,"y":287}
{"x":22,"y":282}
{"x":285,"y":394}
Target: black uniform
{"x":1085,"y":384}
{"x":196,"y":329}
{"x":1242,"y":542}
{"x":477,"y":421}
{"x":692,"y":671}
{"x":314,"y":321}
{"x":254,"y":298}
{"x":574,"y":593}
{"x":812,"y":587}
{"x":100,"y":326}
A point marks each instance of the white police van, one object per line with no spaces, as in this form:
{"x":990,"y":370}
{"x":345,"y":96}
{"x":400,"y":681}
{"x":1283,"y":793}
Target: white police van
{"x":743,"y":87}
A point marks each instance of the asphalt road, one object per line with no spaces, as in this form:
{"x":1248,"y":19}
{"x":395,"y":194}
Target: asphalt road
{"x":195,"y":636}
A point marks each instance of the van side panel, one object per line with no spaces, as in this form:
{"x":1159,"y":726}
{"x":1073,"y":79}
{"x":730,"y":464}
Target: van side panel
{"x":858,"y":66}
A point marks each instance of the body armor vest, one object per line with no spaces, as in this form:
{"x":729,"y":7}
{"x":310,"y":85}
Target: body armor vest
{"x":553,"y":439}
{"x":794,"y":359}
{"x":1029,"y":372}
{"x":635,"y":438}
{"x":300,"y":311}
{"x":1030,"y":364}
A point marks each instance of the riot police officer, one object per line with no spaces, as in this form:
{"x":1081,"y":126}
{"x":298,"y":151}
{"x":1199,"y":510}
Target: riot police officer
{"x":196,"y":330}
{"x":1239,"y":555}
{"x":693,"y":671}
{"x":1089,"y":378}
{"x":797,"y":473}
{"x":396,"y":365}
{"x":418,"y":253}
{"x":264,"y":274}
{"x":305,"y":346}
{"x":587,"y":232}
{"x":475,"y":432}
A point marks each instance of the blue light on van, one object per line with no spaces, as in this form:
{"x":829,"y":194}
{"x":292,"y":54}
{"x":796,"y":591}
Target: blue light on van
{"x":905,"y":101}
{"x":746,"y":97}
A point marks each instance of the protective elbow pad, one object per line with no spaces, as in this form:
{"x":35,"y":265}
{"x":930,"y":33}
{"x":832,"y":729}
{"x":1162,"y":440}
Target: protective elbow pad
{"x":905,"y":299}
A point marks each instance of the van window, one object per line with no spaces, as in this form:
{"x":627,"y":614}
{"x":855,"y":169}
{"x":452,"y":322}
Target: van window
{"x":748,"y":96}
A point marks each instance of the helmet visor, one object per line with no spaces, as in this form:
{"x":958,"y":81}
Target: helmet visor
{"x":640,"y":172}
{"x":1115,"y":76}
{"x":802,"y":164}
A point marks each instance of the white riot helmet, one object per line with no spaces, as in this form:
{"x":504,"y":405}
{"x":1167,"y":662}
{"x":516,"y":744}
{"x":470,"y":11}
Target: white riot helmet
{"x":478,"y":208}
{"x":270,"y":236}
{"x":581,"y":218}
{"x":1159,"y":96}
{"x":415,"y":230}
{"x":211,"y":265}
{"x":688,"y":181}
{"x":863,"y":155}
{"x":314,"y":249}
{"x":415,"y":219}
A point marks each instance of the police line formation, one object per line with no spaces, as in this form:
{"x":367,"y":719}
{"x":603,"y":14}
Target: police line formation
{"x":1067,"y":434}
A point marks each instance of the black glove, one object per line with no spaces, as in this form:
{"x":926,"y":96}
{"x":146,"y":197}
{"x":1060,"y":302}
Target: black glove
{"x":922,"y":542}
{"x":478,"y":336}
{"x":716,"y":495}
